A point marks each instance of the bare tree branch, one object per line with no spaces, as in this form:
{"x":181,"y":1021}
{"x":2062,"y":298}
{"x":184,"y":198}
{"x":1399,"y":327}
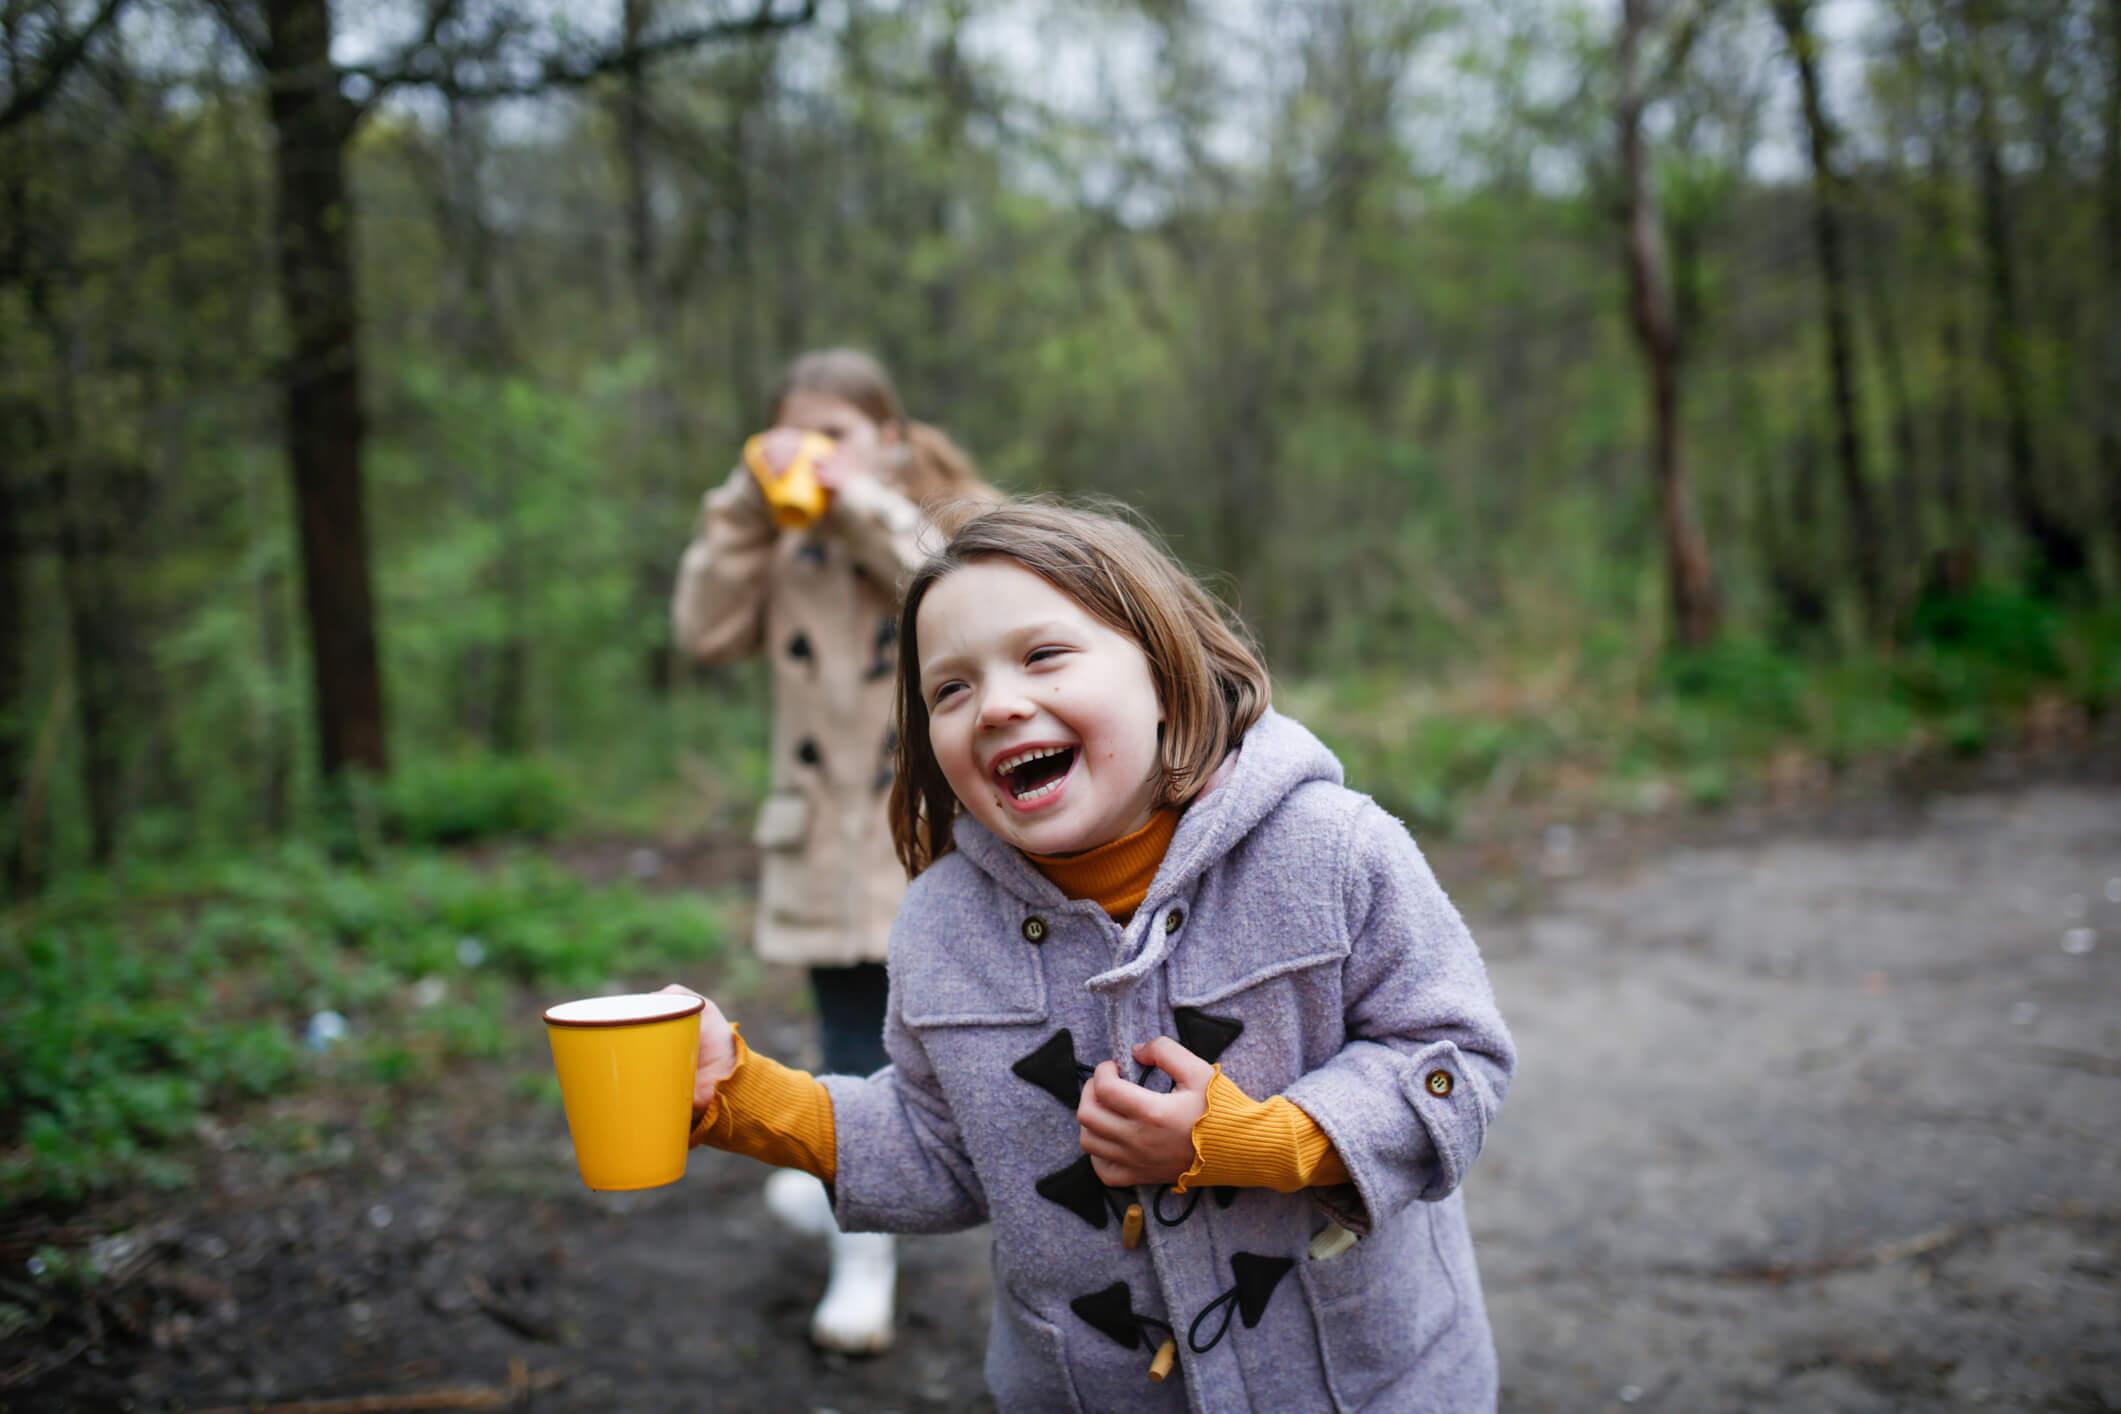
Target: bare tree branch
{"x":244,"y":28}
{"x":415,"y":52}
{"x":430,"y":66}
{"x":57,"y":65}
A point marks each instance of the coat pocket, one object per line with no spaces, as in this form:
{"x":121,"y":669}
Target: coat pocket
{"x":783,"y":823}
{"x":1380,"y":1304}
{"x":1027,"y":1360}
{"x":800,"y":886}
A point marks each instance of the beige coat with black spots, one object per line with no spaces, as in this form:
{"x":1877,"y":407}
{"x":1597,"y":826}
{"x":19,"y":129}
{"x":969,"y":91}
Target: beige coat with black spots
{"x":822,"y":605}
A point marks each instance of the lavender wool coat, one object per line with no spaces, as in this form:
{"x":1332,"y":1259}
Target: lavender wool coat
{"x":1295,"y":935}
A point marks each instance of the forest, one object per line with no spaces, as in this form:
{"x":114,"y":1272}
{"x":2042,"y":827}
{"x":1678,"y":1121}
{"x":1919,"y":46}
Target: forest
{"x":1594,"y":407}
{"x":362,"y":382}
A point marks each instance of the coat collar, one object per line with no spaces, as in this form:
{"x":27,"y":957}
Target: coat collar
{"x":1276,"y":757}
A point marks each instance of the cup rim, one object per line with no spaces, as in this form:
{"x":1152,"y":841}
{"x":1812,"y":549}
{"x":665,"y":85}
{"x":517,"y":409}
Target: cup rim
{"x":679,"y":1007}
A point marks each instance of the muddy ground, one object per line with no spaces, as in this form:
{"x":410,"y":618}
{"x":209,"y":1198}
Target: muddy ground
{"x":1818,"y":1109}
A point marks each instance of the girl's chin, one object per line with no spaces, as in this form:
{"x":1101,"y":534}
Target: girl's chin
{"x":1042,"y":833}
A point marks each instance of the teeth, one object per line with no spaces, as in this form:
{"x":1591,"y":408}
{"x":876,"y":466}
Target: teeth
{"x":1045,"y":790}
{"x":1009,"y":763}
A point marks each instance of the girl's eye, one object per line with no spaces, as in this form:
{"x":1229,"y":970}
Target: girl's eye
{"x":1040,"y":655}
{"x":945,"y":692}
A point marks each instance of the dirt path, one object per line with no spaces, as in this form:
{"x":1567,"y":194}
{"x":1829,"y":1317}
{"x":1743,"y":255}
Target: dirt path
{"x":1821,"y":1123}
{"x":1819,"y":1119}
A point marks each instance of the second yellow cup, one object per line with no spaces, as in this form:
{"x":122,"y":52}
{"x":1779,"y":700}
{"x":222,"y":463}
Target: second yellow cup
{"x":625,"y":1066}
{"x":794,"y":494}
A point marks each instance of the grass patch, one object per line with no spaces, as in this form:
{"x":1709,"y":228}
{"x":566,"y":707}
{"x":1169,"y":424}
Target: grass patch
{"x":141,"y":999}
{"x":473,"y":797}
{"x":1588,"y":730}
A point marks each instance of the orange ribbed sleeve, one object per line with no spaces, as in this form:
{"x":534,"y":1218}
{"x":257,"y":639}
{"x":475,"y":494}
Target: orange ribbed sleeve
{"x":1246,"y":1143}
{"x":771,"y":1113}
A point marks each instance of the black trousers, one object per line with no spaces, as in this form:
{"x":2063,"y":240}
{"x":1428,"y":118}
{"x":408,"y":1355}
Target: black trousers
{"x":850,"y":1017}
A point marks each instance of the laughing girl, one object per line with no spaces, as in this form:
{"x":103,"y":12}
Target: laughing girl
{"x":1191,"y":1023}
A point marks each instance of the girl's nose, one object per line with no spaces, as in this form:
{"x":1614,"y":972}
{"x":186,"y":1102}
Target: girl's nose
{"x":1001,"y":705}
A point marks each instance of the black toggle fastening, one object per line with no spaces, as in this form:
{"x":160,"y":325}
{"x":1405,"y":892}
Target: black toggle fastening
{"x":1156,"y":1205}
{"x":1112,"y":1312}
{"x":1255,"y":1280}
{"x":882,"y":662}
{"x":1224,"y":1197}
{"x":1054,"y":1069}
{"x":1078,"y":1189}
{"x":1205,"y":1035}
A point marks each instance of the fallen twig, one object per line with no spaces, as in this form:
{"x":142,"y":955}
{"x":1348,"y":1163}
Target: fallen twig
{"x":1921,"y":1244}
{"x":1883,"y":1254}
{"x":529,"y":1327}
{"x":37,"y":1365}
{"x":521,"y":1382}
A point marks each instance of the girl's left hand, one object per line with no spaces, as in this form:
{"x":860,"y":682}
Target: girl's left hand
{"x":1135,"y":1135}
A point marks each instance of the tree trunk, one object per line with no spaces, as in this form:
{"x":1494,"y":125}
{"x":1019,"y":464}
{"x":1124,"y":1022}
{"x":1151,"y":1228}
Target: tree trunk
{"x":661,"y":418}
{"x":273,"y":747}
{"x":633,"y":152}
{"x":1907,"y":480}
{"x":16,"y":863}
{"x":1865,"y":533}
{"x":495,"y":677}
{"x":2110,"y":404}
{"x":942,"y":353}
{"x":1690,"y":577}
{"x":1956,"y":430}
{"x":2061,"y":550}
{"x":96,"y":636}
{"x":1793,"y":578}
{"x":84,"y":519}
{"x":321,"y":383}
{"x":19,"y":419}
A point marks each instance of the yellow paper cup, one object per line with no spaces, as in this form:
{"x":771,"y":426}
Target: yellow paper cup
{"x":794,"y":494}
{"x":625,"y":1066}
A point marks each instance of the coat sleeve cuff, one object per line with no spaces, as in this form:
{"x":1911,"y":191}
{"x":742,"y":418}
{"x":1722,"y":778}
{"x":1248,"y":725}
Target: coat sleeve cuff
{"x":1408,"y":1127}
{"x":772,"y":1113}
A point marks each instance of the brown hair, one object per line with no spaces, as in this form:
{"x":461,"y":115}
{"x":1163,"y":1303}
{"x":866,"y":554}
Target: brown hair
{"x":937,"y":470}
{"x":1209,"y":679}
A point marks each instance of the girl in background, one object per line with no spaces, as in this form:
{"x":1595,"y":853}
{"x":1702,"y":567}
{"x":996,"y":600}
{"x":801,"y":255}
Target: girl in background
{"x":821,"y":601}
{"x":1154,"y":950}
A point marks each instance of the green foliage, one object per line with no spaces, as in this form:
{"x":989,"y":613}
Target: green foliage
{"x":1598,"y":731}
{"x":1375,"y":367}
{"x":2091,"y":650}
{"x":139,"y":1000}
{"x":1742,"y":677}
{"x":473,"y":797}
{"x":2005,"y":629}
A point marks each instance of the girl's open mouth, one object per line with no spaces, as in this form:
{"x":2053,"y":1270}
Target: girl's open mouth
{"x":1034,"y":776}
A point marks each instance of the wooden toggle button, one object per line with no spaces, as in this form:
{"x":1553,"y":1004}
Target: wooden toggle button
{"x":1166,"y":1356}
{"x":1130,"y":1231}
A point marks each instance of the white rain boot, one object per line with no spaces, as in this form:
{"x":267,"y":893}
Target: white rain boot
{"x":799,"y":1201}
{"x":855,"y":1316}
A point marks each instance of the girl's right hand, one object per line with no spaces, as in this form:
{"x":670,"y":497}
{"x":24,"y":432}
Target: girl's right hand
{"x":850,"y":461}
{"x":778,"y":446}
{"x":717,"y":1058}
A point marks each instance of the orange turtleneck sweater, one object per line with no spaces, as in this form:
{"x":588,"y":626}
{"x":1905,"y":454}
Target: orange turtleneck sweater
{"x":1240,"y":1142}
{"x":784,"y":1116}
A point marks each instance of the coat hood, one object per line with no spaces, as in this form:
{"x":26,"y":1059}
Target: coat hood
{"x":1276,"y":757}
